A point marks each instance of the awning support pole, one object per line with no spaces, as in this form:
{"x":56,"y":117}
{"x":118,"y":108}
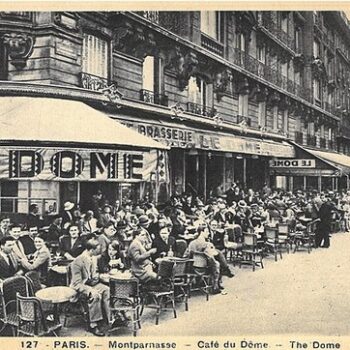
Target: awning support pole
{"x":304,"y":183}
{"x":244,"y":172}
{"x":205,"y":177}
{"x":320,"y":184}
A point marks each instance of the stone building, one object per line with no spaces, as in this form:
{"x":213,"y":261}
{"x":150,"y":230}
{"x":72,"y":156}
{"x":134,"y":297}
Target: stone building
{"x":252,"y":97}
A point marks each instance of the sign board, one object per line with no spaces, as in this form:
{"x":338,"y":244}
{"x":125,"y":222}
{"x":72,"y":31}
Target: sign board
{"x":79,"y":164}
{"x":191,"y":138}
{"x":293,"y":163}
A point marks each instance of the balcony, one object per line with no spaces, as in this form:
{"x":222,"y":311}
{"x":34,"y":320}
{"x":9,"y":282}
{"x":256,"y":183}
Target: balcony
{"x":94,"y":82}
{"x":200,"y":110}
{"x":323,"y":143}
{"x":274,"y":76}
{"x":268,"y":24}
{"x":299,"y":137}
{"x":311,"y":140}
{"x":212,"y":45}
{"x":153,"y":98}
{"x":244,"y":120}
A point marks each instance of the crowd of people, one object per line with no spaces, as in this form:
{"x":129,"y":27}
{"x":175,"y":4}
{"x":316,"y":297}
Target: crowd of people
{"x":136,"y":236}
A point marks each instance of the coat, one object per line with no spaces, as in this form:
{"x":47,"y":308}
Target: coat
{"x":75,"y":250}
{"x":6,"y":270}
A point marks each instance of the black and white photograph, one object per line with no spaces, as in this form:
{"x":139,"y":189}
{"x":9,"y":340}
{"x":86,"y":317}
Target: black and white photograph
{"x":175,"y":173}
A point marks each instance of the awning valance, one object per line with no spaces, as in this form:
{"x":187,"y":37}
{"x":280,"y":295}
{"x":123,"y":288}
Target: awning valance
{"x":38,"y":119}
{"x":179,"y":135}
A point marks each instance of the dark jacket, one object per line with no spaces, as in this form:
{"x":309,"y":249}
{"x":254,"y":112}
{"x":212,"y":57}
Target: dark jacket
{"x":163,"y":247}
{"x":75,"y":250}
{"x":7,"y":270}
{"x":28,"y":244}
{"x":54,"y":233}
{"x":103,"y":262}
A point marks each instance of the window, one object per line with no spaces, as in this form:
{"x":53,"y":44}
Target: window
{"x":284,"y":69}
{"x":284,"y":22}
{"x":262,"y":114}
{"x":275,"y":118}
{"x":95,"y":56}
{"x":262,"y":54}
{"x":285,"y":125}
{"x":243,"y":105}
{"x":311,"y":129}
{"x":148,"y":74}
{"x":297,"y":78}
{"x":317,"y":49}
{"x":210,"y":23}
{"x":297,"y":39}
{"x":241,"y":42}
{"x":152,"y":16}
{"x":317,"y":92}
{"x":16,"y":196}
{"x":200,"y":93}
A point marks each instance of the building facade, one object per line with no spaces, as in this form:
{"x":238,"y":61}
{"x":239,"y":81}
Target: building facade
{"x":233,"y":94}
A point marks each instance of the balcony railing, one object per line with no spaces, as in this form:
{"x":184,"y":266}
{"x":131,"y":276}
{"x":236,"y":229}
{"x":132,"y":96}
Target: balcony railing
{"x":272,"y":27}
{"x":212,"y":45}
{"x":323,"y":143}
{"x":201,"y":110}
{"x":345,"y":131}
{"x":299,"y":137}
{"x":311,"y":140}
{"x":94,"y":82}
{"x":332,"y":145}
{"x":244,"y":120}
{"x":153,"y":98}
{"x":270,"y":74}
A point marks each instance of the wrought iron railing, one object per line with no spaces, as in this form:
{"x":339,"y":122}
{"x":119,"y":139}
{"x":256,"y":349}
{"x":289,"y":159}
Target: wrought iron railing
{"x":200,"y":109}
{"x":212,"y":45}
{"x":94,"y":82}
{"x":154,"y":98}
{"x":299,"y":137}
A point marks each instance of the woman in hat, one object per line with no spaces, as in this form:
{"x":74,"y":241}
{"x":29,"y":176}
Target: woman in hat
{"x":67,"y":214}
{"x":243,"y":216}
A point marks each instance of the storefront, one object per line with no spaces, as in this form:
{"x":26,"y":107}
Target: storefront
{"x":201,"y":160}
{"x":311,"y":169}
{"x":54,"y":150}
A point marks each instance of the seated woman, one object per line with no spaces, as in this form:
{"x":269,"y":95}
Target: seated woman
{"x":110,"y":259}
{"x":73,"y":244}
{"x":40,"y":260}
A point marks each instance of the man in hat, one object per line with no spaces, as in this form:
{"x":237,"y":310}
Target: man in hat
{"x":242,"y":217}
{"x":67,"y":214}
{"x":144,"y":223}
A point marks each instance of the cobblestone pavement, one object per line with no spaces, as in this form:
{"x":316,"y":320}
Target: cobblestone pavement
{"x":300,"y":294}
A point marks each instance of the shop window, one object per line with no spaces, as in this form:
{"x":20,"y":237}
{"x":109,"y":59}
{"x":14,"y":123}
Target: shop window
{"x":17,"y":196}
{"x":95,"y":56}
{"x":210,"y":24}
{"x":262,"y":114}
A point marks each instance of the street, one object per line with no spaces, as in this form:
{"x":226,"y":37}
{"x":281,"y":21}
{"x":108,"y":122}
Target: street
{"x":301,"y":294}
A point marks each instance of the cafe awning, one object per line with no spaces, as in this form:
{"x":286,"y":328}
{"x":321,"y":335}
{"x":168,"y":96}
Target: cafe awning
{"x":339,"y":161}
{"x":66,"y":122}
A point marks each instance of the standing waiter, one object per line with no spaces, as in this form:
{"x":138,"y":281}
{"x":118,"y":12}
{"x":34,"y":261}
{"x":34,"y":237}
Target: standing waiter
{"x":324,"y":228}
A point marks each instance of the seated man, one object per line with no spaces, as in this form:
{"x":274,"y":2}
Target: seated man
{"x":107,"y":235}
{"x":140,"y":258}
{"x":164,"y":244}
{"x":201,"y":245}
{"x":86,"y":280}
{"x":27,"y":240}
{"x":8,"y":261}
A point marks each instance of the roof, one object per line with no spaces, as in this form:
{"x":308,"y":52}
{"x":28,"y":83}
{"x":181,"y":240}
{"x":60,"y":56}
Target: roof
{"x":66,"y":121}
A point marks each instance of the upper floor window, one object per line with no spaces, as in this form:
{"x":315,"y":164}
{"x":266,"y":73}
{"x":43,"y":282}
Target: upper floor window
{"x":200,"y":96}
{"x":95,"y":56}
{"x":210,"y":24}
{"x":317,"y":92}
{"x":148,"y":73}
{"x":317,"y":49}
{"x":261,"y":54}
{"x":297,"y":39}
{"x":284,"y":22}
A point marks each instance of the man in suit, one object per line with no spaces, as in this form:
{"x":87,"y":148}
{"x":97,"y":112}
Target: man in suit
{"x":33,"y":218}
{"x":27,"y":240}
{"x":55,"y":230}
{"x":324,"y":228}
{"x":15,"y":231}
{"x":4,"y":226}
{"x":72,"y":244}
{"x":140,"y":258}
{"x":86,"y":280}
{"x":8,"y":262}
{"x":164,"y":243}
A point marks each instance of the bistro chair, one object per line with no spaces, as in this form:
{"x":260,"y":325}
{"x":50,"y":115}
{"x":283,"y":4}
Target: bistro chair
{"x":284,"y":238}
{"x":125,"y":297}
{"x":305,"y":239}
{"x":251,"y":252}
{"x":32,"y":321}
{"x":272,"y":242}
{"x":202,"y":273}
{"x":181,"y":281}
{"x":34,"y":283}
{"x":162,"y":293}
{"x":181,"y":246}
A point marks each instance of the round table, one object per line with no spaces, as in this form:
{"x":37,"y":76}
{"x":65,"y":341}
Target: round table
{"x":117,"y":275}
{"x":56,"y":295}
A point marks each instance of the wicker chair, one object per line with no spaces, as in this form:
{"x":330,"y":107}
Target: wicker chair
{"x":34,"y":283}
{"x":125,"y":297}
{"x":284,"y":237}
{"x":11,"y":286}
{"x":181,"y":281}
{"x":32,"y":320}
{"x":161,"y":293}
{"x":202,"y":273}
{"x":272,"y":241}
{"x":250,"y":251}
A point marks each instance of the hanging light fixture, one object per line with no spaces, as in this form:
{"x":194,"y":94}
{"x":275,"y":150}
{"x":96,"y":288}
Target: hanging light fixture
{"x":255,"y":156}
{"x":193,"y":152}
{"x":239,"y":156}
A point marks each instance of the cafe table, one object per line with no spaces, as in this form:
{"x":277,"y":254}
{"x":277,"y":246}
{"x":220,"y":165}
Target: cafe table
{"x":56,"y":295}
{"x":116,"y":274}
